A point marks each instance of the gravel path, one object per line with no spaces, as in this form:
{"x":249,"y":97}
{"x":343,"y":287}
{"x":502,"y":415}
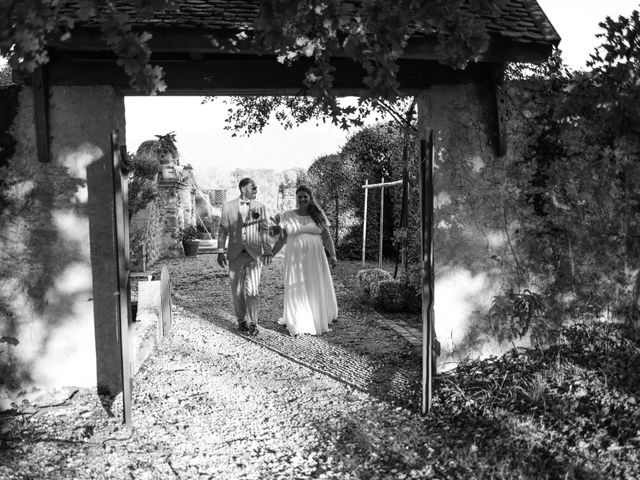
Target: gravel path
{"x":210,"y":403}
{"x":361,"y":349}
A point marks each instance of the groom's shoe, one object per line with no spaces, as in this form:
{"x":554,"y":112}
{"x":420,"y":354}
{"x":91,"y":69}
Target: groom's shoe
{"x":253,"y":330}
{"x":242,"y":326}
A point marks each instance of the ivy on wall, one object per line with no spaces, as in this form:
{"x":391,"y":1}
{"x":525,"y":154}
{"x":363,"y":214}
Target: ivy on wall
{"x":9,"y":108}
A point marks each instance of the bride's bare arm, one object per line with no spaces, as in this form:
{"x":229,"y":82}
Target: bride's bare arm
{"x":282,"y":240}
{"x":328,"y":244}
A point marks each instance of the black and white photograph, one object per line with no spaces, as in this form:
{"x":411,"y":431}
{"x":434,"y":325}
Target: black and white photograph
{"x":319,"y":239}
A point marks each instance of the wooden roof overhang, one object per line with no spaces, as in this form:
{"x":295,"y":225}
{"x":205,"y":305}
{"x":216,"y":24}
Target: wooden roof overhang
{"x":183,"y":42}
{"x":193,"y":67}
{"x":186,"y":43}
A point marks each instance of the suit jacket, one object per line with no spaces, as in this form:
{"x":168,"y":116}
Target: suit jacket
{"x":251,"y":233}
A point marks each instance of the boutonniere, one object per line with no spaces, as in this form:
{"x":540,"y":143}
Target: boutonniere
{"x":255,"y":214}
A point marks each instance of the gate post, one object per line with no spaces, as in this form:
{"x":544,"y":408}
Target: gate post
{"x":104,"y":268}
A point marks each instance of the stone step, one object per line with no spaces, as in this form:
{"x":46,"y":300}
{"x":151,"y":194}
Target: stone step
{"x":209,"y":246}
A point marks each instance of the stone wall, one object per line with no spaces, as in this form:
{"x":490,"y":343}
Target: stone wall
{"x":46,"y":296}
{"x":176,"y":204}
{"x":145,"y":233}
{"x":153,"y":231}
{"x":472,"y":257}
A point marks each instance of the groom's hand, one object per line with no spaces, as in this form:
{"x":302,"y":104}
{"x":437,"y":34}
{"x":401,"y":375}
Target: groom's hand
{"x":222,"y":260}
{"x":266,"y":259}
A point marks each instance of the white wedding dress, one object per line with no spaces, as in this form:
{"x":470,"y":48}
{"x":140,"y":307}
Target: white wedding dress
{"x":309,"y":297}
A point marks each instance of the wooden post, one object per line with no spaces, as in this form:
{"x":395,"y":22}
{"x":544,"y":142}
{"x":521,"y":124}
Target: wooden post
{"x":364,"y":223}
{"x":381,"y":225}
{"x":428,"y":277}
{"x":165,"y":302}
{"x":366,"y":187}
{"x":121,"y":240}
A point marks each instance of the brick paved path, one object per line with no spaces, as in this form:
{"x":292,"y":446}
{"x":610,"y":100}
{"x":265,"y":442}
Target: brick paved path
{"x":363,"y":349}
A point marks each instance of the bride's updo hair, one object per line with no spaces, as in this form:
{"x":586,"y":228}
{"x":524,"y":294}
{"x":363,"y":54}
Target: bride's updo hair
{"x":316,"y":213}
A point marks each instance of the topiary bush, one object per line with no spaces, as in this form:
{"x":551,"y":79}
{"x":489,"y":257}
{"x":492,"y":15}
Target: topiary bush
{"x":369,"y":277}
{"x":396,"y":296}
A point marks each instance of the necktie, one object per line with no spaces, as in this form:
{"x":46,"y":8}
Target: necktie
{"x":242,"y":202}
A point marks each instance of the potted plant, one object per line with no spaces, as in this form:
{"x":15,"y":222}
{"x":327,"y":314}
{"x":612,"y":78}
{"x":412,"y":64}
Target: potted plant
{"x":189,"y":238}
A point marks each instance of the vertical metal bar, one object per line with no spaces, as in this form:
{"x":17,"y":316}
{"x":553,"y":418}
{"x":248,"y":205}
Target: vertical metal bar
{"x":364,"y":223}
{"x":426,"y":204}
{"x":381,"y":225}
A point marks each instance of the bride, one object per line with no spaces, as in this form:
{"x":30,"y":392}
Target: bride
{"x":309,"y":297}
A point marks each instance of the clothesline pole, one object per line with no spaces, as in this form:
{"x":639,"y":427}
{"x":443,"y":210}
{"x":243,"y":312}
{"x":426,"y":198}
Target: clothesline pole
{"x":383,"y":184}
{"x":364,"y":224}
{"x":381,"y":224}
{"x":366,"y":187}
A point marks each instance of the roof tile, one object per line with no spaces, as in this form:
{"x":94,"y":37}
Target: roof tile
{"x":516,"y":19}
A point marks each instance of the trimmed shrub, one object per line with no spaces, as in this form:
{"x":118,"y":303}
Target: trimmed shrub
{"x":369,"y":277}
{"x":414,"y":299}
{"x":395,"y":296}
{"x":391,"y":296}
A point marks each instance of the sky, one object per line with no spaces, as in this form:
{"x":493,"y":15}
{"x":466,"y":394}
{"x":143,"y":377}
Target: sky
{"x":202,"y":140}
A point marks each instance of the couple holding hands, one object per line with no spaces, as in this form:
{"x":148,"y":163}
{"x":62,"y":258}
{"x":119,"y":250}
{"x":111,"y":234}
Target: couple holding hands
{"x":309,"y":297}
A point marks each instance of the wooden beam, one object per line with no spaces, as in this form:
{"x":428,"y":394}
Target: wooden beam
{"x":177,"y":39}
{"x":250,"y":75}
{"x":40,"y":84}
{"x":383,"y":184}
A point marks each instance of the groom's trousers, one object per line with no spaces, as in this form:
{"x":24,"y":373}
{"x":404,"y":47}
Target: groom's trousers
{"x":244,"y":272}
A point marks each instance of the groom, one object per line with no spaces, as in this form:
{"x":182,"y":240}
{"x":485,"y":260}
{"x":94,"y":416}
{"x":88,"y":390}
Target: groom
{"x":244,"y":221}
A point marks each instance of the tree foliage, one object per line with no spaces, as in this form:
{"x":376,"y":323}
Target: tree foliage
{"x":27,"y":26}
{"x":332,"y":177}
{"x":368,"y":155}
{"x":576,"y":189}
{"x":601,"y":199}
{"x":374,"y":33}
{"x":143,"y":169}
{"x":248,"y":115}
{"x":5,"y":75}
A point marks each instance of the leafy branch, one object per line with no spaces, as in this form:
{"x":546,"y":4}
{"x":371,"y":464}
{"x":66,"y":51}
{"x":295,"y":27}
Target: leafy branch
{"x":374,"y":34}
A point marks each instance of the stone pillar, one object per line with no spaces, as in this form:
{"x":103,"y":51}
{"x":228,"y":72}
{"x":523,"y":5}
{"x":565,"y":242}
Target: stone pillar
{"x":82,"y":119}
{"x":176,"y":202}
